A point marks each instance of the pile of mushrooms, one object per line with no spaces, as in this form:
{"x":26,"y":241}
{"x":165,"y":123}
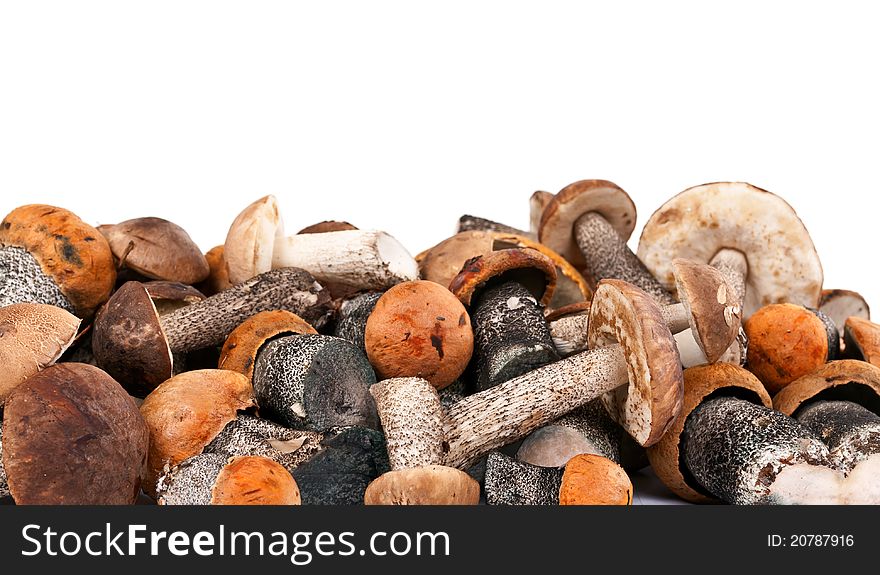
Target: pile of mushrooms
{"x":502,"y":366}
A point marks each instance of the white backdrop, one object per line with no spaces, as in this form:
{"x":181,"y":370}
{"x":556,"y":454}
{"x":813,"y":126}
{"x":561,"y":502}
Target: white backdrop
{"x":403,"y":117}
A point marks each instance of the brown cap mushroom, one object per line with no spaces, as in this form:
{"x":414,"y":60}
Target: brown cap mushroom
{"x":327,"y":226}
{"x":848,"y":379}
{"x":71,"y":435}
{"x":157,"y":249}
{"x":218,"y":275}
{"x":594,"y":480}
{"x":862,"y":339}
{"x":186,"y":412}
{"x":32,"y":337}
{"x":737,"y":220}
{"x":419,"y":329}
{"x":529,"y":267}
{"x":49,"y":255}
{"x":429,"y":485}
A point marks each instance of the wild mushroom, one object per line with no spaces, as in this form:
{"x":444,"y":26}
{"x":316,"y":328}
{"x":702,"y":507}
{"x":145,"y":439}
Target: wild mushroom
{"x":71,"y":435}
{"x":419,"y":329}
{"x":343,"y":261}
{"x":506,"y":291}
{"x":32,"y":337}
{"x":587,"y":429}
{"x":156,"y":249}
{"x":862,"y":339}
{"x":327,"y":226}
{"x":840,"y":403}
{"x":429,"y":485}
{"x":537,"y":202}
{"x":442,"y":262}
{"x":589,"y":223}
{"x":840,"y":304}
{"x":218,"y":275}
{"x":729,"y":444}
{"x":468,"y":223}
{"x":211,"y":479}
{"x":787,"y":341}
{"x":48,"y":255}
{"x":135,"y":345}
{"x":751,"y":235}
{"x":351,"y":322}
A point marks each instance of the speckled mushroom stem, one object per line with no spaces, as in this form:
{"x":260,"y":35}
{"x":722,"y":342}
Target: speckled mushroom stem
{"x":22,"y":280}
{"x":352,"y":320}
{"x":512,"y":482}
{"x":511,"y":336}
{"x":608,"y":256}
{"x":587,"y":429}
{"x":468,"y":223}
{"x":736,"y":449}
{"x":850,"y":431}
{"x":208,"y":322}
{"x":412,"y":420}
{"x":735,"y":268}
{"x":510,"y":411}
{"x":4,"y":484}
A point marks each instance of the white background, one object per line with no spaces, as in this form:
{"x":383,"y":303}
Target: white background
{"x":402,"y":117}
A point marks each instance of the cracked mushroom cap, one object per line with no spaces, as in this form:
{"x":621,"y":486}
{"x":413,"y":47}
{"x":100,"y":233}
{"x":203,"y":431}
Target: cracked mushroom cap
{"x":32,"y":337}
{"x":621,"y":313}
{"x":157,"y":249}
{"x":844,"y":379}
{"x":250,"y":241}
{"x":700,"y":383}
{"x":444,"y":261}
{"x":862,"y":339}
{"x":710,"y":301}
{"x":530,"y":268}
{"x":72,"y":253}
{"x":430,"y":485}
{"x":186,"y":412}
{"x":563,"y":210}
{"x":419,"y":329}
{"x":240,"y":350}
{"x":783,"y":265}
{"x":71,"y":435}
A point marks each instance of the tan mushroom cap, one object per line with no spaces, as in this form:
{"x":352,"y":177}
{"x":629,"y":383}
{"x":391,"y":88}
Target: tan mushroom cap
{"x":252,"y":480}
{"x":186,"y":412}
{"x":250,"y":241}
{"x":591,"y":479}
{"x":700,"y":382}
{"x":419,"y":329}
{"x":430,"y":485}
{"x":783,"y":265}
{"x":863,"y":335}
{"x":713,"y":312}
{"x":624,"y":314}
{"x":240,"y":350}
{"x":71,"y":435}
{"x":157,"y":249}
{"x":32,"y":337}
{"x":834,"y":375}
{"x":536,"y":272}
{"x":168,"y":296}
{"x":74,"y":254}
{"x":327,"y":226}
{"x":218,"y":276}
{"x":563,"y":210}
{"x":786,"y":341}
{"x":444,"y":261}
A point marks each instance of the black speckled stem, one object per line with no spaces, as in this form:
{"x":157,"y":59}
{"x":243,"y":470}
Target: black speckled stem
{"x":850,"y":431}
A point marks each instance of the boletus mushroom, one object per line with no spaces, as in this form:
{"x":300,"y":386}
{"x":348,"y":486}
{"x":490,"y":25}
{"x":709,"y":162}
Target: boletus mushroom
{"x":862,"y":339}
{"x":840,"y":304}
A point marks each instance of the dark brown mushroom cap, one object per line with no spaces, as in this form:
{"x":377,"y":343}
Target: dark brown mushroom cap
{"x":560,"y":214}
{"x":157,"y":249}
{"x":786,"y":341}
{"x":186,"y":412}
{"x":430,"y":485}
{"x":251,"y":480}
{"x":419,"y":329}
{"x":862,"y":337}
{"x":32,"y":337}
{"x":74,"y":254}
{"x":624,"y":314}
{"x":128,"y":341}
{"x":713,"y":312}
{"x":240,"y":350}
{"x":700,"y":382}
{"x":168,"y":296}
{"x":535,"y":271}
{"x":71,"y":435}
{"x":591,"y":479}
{"x":327,"y":226}
{"x":846,"y":379}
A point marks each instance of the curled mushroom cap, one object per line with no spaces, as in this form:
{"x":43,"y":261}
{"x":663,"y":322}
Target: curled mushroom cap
{"x":157,"y":249}
{"x":71,"y":435}
{"x":32,"y":337}
{"x":862,"y":339}
{"x":430,"y":485}
{"x":573,"y":201}
{"x":701,"y":221}
{"x":528,"y":267}
{"x":186,"y":412}
{"x":70,"y":252}
{"x":845,"y":379}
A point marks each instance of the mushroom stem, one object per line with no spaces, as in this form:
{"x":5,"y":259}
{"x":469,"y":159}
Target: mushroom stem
{"x":352,"y":320}
{"x":208,"y":322}
{"x":587,"y":429}
{"x":358,"y":259}
{"x":735,"y":450}
{"x":22,"y":280}
{"x":735,"y":268}
{"x":513,"y":409}
{"x":850,"y":431}
{"x":412,"y":419}
{"x":608,"y":256}
{"x":468,"y":223}
{"x":4,"y":484}
{"x":512,"y":482}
